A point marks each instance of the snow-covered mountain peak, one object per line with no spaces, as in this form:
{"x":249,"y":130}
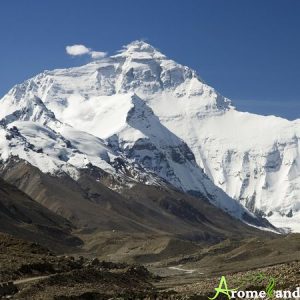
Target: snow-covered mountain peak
{"x":140,"y":49}
{"x":139,"y":68}
{"x":161,"y":115}
{"x":25,"y":109}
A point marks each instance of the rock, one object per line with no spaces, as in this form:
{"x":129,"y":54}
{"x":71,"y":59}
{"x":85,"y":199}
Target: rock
{"x":95,"y":262}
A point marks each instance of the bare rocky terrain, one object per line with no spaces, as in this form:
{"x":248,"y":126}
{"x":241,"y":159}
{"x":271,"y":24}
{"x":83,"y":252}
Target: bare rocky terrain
{"x":38,"y":273}
{"x":23,"y":217}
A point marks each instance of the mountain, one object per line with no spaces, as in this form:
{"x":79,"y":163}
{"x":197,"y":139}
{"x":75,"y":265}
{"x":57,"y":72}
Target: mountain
{"x":91,"y":205}
{"x":23,"y":217}
{"x":142,"y":117}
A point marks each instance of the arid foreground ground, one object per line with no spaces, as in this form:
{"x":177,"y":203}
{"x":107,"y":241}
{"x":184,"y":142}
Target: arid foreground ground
{"x":37,"y":273}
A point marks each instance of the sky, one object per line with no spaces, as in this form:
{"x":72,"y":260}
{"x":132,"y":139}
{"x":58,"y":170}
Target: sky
{"x":248,"y":50}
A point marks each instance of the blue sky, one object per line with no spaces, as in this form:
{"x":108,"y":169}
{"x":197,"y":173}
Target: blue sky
{"x":249,"y":50}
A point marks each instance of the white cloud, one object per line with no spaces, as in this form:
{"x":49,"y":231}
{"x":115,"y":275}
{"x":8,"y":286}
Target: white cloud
{"x":97,"y":54}
{"x":77,"y":50}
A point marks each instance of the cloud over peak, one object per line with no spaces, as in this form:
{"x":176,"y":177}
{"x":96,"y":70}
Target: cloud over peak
{"x":78,"y":50}
{"x":97,"y":54}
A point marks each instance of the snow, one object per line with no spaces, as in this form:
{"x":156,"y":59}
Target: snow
{"x":18,"y":146}
{"x":51,"y":152}
{"x":159,"y":114}
{"x":285,"y":222}
{"x":254,"y":159}
{"x":4,"y":145}
{"x":101,"y":116}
